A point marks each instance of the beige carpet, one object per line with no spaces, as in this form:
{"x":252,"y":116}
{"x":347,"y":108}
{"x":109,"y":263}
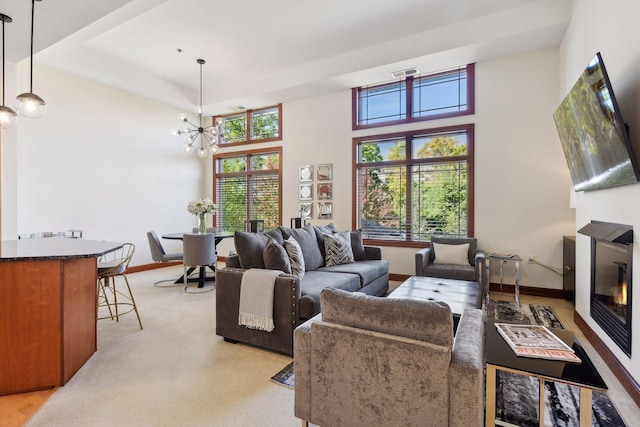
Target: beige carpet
{"x":174,"y":372}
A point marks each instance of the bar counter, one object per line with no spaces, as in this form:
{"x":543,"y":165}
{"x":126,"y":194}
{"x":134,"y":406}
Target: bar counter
{"x":47,"y":310}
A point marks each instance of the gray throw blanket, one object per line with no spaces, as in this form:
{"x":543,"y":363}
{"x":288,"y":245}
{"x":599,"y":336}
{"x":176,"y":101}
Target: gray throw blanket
{"x":256,"y":298}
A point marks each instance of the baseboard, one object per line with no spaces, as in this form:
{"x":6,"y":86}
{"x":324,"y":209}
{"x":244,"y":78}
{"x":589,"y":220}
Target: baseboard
{"x":528,"y":290}
{"x":628,"y":382}
{"x":153,"y":266}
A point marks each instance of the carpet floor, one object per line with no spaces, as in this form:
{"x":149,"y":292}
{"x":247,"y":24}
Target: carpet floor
{"x":517,"y":396}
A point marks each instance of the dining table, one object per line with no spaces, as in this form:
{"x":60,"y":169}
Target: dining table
{"x":202,"y":277}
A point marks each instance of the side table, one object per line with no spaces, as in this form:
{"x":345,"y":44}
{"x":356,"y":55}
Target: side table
{"x":503,"y":260}
{"x":500,"y":357}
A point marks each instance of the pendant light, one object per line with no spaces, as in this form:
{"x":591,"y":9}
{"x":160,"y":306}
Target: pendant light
{"x":29,"y":104}
{"x":7,"y":115}
{"x":210,"y":136}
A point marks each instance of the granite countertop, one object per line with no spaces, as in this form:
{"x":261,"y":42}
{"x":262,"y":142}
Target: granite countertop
{"x":53,"y":248}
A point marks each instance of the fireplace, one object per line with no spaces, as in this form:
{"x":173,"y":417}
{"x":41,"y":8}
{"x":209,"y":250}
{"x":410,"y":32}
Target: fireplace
{"x":611,"y":277}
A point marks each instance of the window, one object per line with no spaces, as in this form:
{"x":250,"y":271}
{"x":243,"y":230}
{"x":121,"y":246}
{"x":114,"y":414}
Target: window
{"x":261,"y":125}
{"x":433,"y":96}
{"x":413,"y":185}
{"x":248,"y":187}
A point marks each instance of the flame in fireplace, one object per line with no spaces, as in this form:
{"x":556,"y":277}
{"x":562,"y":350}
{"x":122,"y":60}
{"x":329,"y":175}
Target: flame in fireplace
{"x":620,"y":294}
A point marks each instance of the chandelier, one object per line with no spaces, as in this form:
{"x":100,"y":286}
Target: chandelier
{"x":7,"y":115}
{"x":210,"y":136}
{"x":29,"y":104}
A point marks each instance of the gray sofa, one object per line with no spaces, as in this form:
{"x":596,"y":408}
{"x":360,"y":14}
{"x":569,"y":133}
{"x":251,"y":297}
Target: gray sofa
{"x":369,"y":361}
{"x":295,"y":299}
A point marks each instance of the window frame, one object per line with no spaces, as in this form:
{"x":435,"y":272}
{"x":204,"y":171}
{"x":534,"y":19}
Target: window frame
{"x":249,"y":126}
{"x":469,"y":128}
{"x":410,"y":118}
{"x":248,"y":154}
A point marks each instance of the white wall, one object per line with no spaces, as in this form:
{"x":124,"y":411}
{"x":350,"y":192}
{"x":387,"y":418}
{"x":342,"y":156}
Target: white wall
{"x":611,"y":30}
{"x":8,"y":163}
{"x":103,"y":161}
{"x":521,"y":179}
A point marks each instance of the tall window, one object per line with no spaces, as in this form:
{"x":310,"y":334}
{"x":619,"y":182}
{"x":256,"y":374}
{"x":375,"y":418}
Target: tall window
{"x":248,"y":187}
{"x":414,"y":185}
{"x":433,"y":96}
{"x":260,"y":125}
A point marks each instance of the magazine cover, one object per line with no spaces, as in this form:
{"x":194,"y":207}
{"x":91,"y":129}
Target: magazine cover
{"x":532,"y":337}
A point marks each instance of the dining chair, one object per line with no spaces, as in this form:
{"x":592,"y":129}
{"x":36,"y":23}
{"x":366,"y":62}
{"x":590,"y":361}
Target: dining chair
{"x":199,"y":251}
{"x":111,"y":266}
{"x":158,"y":254}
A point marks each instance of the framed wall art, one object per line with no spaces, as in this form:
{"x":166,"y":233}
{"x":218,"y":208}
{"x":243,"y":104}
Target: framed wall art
{"x":306,"y":210}
{"x":325,"y":172}
{"x":325,"y":210}
{"x":305,"y":173}
{"x":306,"y":192}
{"x":324,"y":191}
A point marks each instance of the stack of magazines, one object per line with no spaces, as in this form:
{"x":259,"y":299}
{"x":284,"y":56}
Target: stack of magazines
{"x":536,"y":341}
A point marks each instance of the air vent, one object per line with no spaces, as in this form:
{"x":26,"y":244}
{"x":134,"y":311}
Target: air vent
{"x":404,"y":73}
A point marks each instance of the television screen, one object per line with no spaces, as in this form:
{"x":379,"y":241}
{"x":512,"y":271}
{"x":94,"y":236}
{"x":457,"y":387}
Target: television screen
{"x":593,"y":136}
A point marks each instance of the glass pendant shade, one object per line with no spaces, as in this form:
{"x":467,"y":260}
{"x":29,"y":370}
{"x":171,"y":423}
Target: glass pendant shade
{"x":30,"y":105}
{"x":7,"y":117}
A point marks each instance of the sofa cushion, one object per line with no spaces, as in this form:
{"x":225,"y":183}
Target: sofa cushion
{"x":296,"y":258}
{"x":451,"y":271}
{"x":337,"y":248}
{"x":250,"y":246}
{"x":275,"y":257}
{"x":357,"y":246}
{"x":451,"y":254}
{"x":429,"y":321}
{"x":313,"y":284}
{"x":367,"y":271}
{"x":306,"y":238}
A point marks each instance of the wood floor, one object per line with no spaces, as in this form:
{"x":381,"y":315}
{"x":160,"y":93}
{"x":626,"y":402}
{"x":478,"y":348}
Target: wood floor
{"x":17,"y":409}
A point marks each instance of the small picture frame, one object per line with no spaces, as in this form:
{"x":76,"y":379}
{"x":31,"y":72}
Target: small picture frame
{"x":324,"y":191}
{"x":325,"y":210}
{"x":306,"y":210}
{"x":305,"y":173}
{"x":306,"y":192}
{"x":325,"y":172}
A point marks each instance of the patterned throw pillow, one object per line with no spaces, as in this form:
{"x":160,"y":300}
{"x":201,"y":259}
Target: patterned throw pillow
{"x":337,"y":248}
{"x":295,"y":256}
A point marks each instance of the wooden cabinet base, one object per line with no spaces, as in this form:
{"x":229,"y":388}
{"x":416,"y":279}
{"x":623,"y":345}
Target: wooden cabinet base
{"x":47,"y":321}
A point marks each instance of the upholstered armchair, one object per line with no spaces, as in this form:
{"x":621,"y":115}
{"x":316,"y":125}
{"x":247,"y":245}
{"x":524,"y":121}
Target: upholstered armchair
{"x":371,"y":361}
{"x":452,"y":258}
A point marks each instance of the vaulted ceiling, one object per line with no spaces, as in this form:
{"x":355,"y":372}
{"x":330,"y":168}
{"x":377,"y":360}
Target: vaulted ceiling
{"x":263,"y":52}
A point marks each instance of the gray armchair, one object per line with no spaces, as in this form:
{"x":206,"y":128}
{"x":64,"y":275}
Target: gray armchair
{"x":475,"y":271}
{"x":368,"y":361}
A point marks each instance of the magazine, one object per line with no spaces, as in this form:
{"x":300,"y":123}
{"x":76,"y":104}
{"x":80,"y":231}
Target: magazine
{"x":536,"y":341}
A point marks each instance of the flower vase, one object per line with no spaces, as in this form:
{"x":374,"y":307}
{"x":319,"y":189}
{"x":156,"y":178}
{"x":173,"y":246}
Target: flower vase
{"x":202,"y":224}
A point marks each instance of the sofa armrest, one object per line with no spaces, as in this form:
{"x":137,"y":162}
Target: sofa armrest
{"x":285,"y":311}
{"x":481,"y":270}
{"x":423,"y":259}
{"x":302,"y":367}
{"x":466,"y":374}
{"x":373,"y":252}
{"x":232,"y":261}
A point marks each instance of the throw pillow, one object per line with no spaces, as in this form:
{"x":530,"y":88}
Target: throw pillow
{"x":306,"y":238}
{"x":357,"y":246}
{"x":451,"y":254}
{"x":275,"y":257}
{"x":250,"y":246}
{"x":296,"y":259}
{"x":338,"y":250}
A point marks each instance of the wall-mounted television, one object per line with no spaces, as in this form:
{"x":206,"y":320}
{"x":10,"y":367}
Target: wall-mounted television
{"x":594,"y":137}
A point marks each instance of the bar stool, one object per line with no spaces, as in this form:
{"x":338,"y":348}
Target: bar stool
{"x":254,"y":225}
{"x":110,"y":266}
